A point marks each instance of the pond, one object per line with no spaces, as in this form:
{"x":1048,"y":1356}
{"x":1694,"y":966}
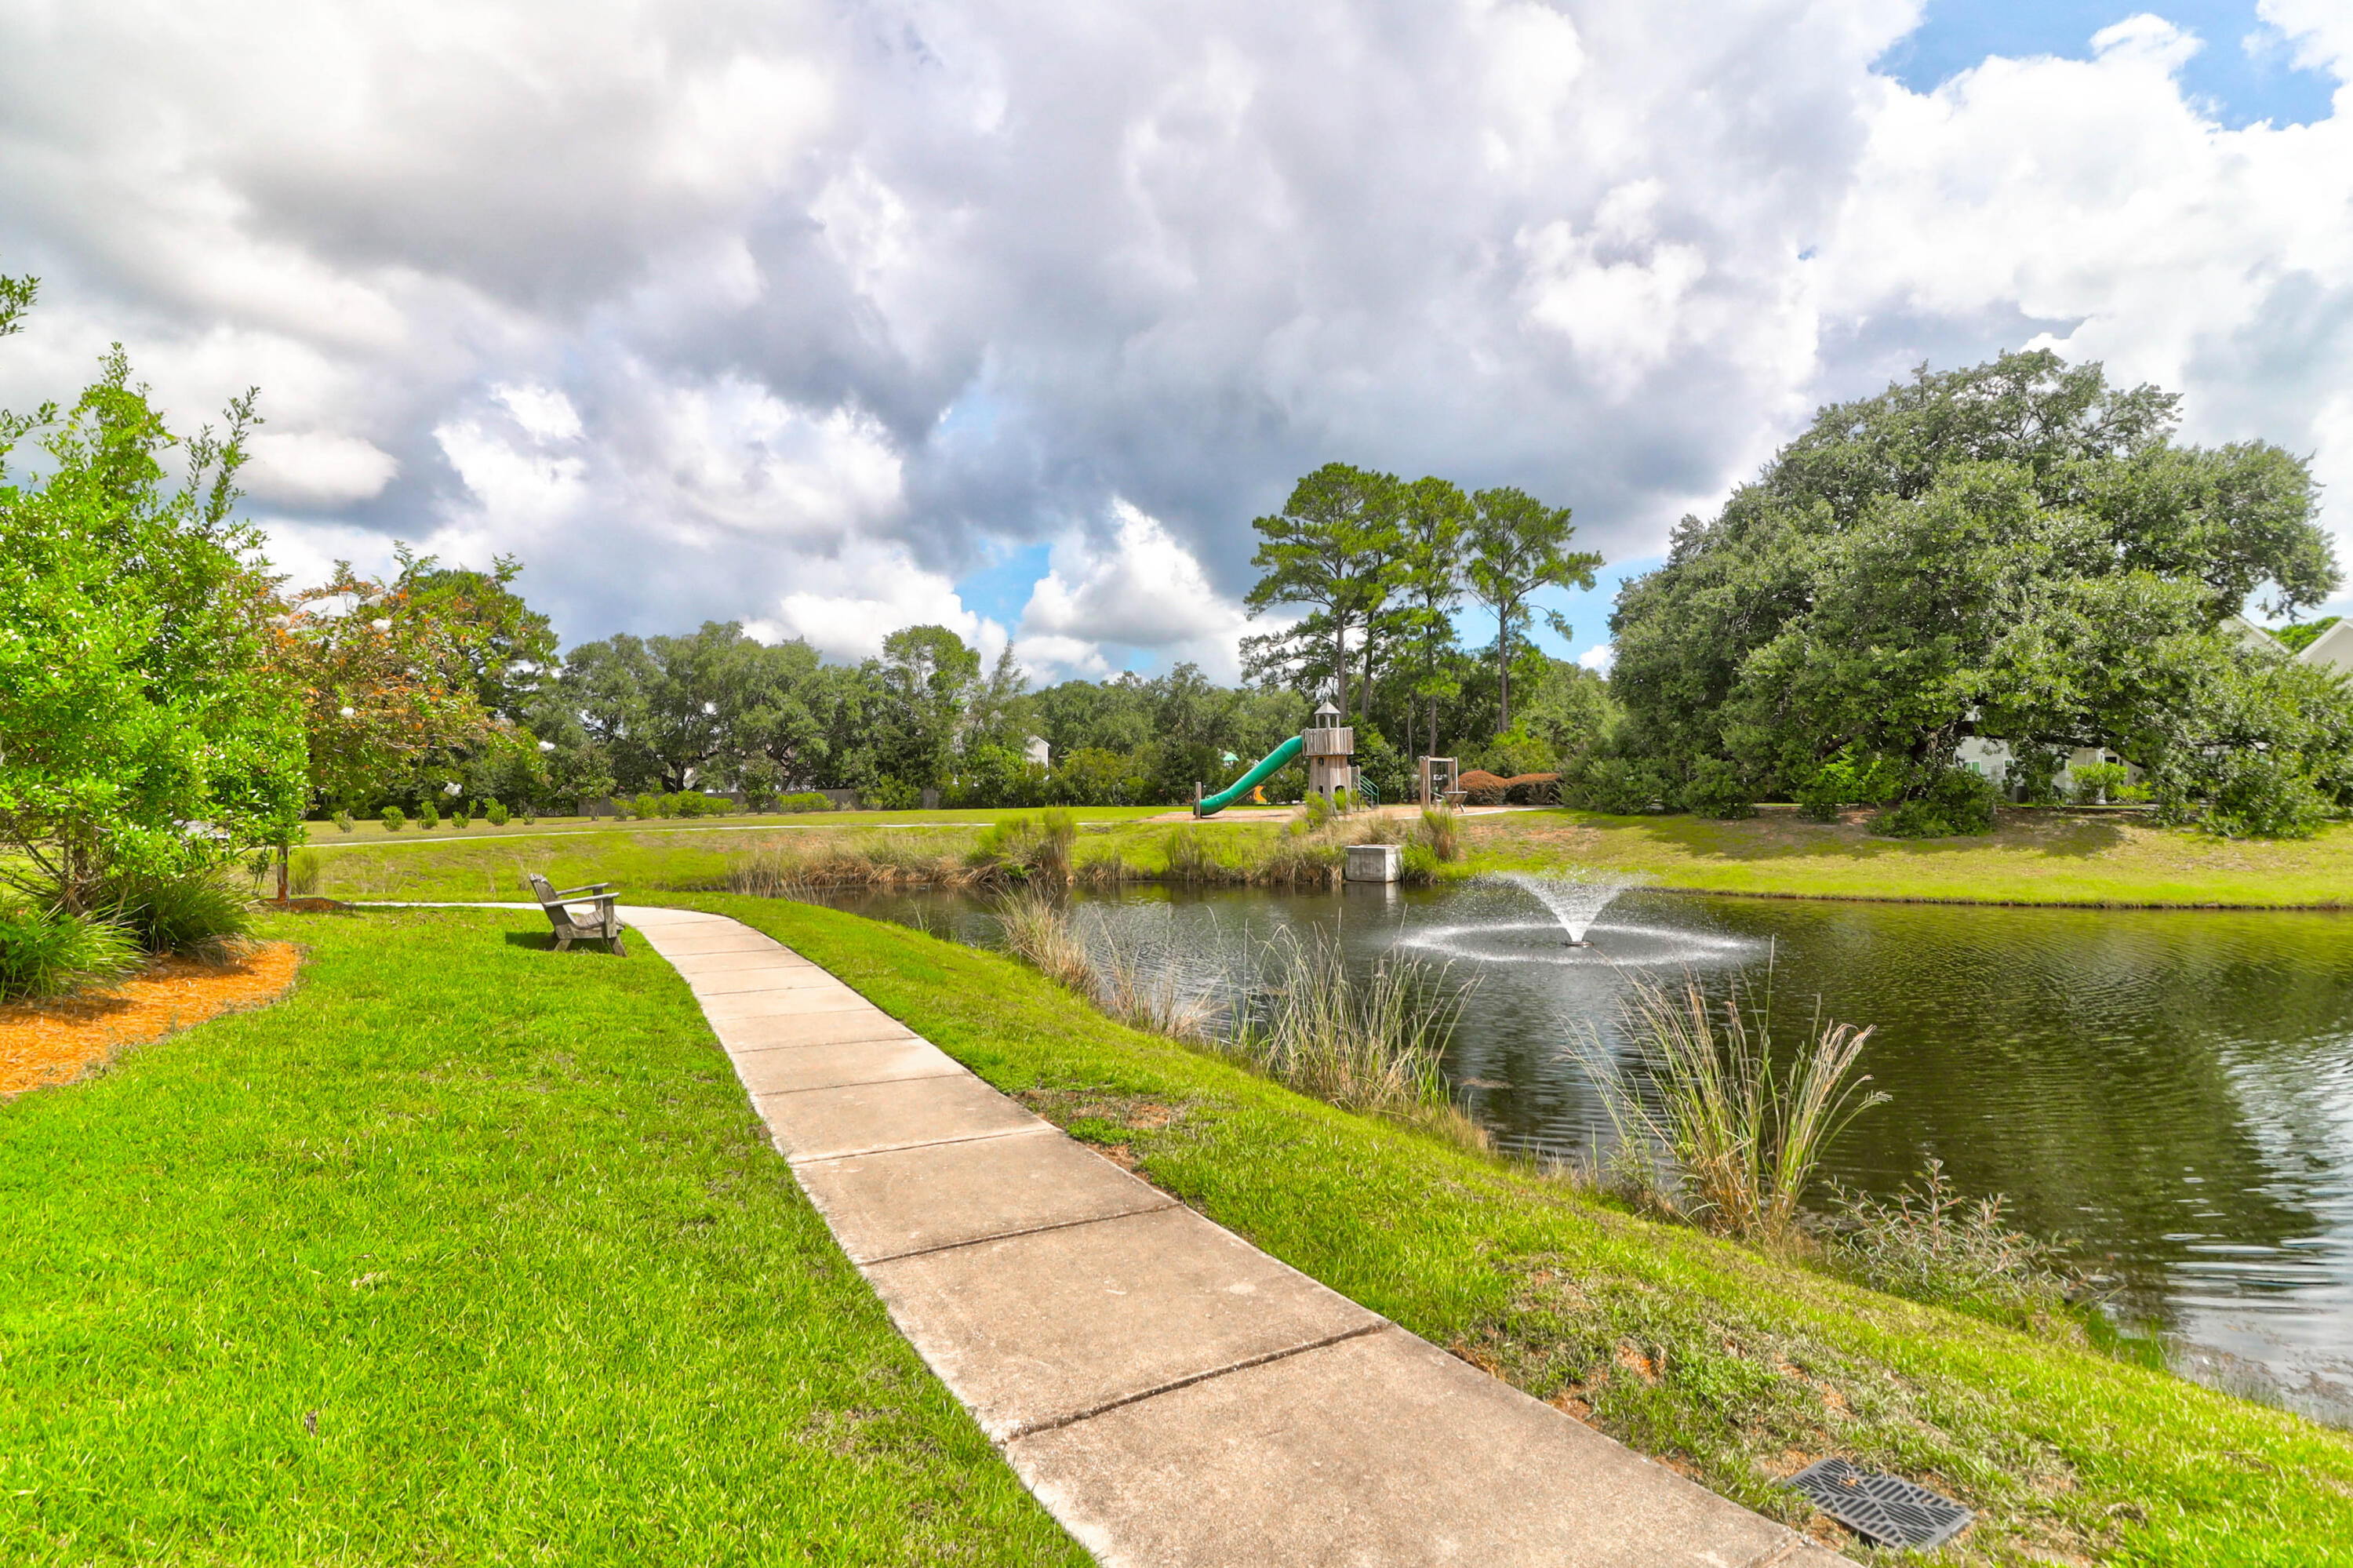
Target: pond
{"x":2170,"y":1091}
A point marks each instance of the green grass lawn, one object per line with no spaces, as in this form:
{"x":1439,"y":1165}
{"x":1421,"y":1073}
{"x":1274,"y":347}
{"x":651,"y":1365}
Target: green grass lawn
{"x":1735,"y":1368}
{"x":371,"y":830}
{"x":2032,"y":858}
{"x":502,"y":1227}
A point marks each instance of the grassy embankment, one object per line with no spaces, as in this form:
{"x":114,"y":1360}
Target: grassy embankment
{"x":2032,"y":858}
{"x":465,"y":1253}
{"x":1735,"y":1368}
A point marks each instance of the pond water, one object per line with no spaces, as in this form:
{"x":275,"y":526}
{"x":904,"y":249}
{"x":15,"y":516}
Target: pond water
{"x":2170,"y":1091}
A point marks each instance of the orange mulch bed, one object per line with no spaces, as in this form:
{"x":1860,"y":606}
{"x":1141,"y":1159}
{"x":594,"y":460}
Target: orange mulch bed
{"x":57,"y":1041}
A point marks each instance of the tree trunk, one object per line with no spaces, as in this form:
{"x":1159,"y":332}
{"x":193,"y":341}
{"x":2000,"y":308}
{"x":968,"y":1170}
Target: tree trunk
{"x":1340,"y":667}
{"x":1502,"y":673}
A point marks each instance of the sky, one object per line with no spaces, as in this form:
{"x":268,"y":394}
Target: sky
{"x":831,"y":317}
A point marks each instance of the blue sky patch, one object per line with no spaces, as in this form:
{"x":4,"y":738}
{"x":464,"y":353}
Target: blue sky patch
{"x":2246,"y":70}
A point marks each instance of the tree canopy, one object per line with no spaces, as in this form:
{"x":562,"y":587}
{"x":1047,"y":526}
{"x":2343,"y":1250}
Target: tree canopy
{"x":2017,"y":552}
{"x":145,"y":730}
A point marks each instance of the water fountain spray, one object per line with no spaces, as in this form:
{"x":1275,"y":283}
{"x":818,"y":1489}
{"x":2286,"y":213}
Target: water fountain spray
{"x":1577,"y":902}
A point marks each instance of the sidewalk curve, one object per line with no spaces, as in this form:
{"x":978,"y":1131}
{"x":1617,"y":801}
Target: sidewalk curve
{"x":1172,"y":1394}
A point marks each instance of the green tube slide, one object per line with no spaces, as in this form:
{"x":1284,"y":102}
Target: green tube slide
{"x":1265,"y":769}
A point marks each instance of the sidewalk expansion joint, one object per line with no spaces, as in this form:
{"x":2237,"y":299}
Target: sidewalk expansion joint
{"x":800,"y":1160}
{"x":828,"y":1046}
{"x":1166,"y":1202}
{"x":862,"y":1083}
{"x":1056,"y":1424}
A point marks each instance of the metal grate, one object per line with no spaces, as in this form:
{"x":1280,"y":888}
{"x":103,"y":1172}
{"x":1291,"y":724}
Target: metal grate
{"x":1889,"y":1509}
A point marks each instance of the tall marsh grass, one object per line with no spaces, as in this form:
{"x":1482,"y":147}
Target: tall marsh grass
{"x":1366,"y":1041}
{"x":1744,"y":1133}
{"x":787,"y":868}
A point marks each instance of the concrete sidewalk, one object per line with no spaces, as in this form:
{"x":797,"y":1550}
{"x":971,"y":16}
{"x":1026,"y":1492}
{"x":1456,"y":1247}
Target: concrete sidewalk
{"x":1171,"y":1393}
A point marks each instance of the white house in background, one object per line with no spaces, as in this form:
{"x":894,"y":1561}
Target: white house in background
{"x":1038,"y":751}
{"x":2332,"y":649}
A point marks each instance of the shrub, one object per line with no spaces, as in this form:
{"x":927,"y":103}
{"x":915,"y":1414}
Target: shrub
{"x":1936,"y":1246}
{"x":645,"y":807}
{"x":1483,"y":787}
{"x":1846,"y":780}
{"x":2093,"y":780}
{"x":201,"y":917}
{"x":892,"y":795}
{"x":1314,"y":815}
{"x":806,"y":801}
{"x":1021,"y":847}
{"x":48,"y":952}
{"x":1619,"y":787}
{"x":428,"y":815}
{"x":2258,"y":796}
{"x":1421,"y":863}
{"x":344,"y":823}
{"x":302,"y":871}
{"x":1957,"y":801}
{"x":1717,"y":790}
{"x":2035,"y":769}
{"x":494,"y":813}
{"x":460,"y":817}
{"x":393,"y":819}
{"x":531,"y":814}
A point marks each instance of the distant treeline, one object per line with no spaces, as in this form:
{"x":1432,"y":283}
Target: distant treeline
{"x":717,"y":709}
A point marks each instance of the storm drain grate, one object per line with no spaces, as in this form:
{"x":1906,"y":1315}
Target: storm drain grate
{"x":1889,"y":1509}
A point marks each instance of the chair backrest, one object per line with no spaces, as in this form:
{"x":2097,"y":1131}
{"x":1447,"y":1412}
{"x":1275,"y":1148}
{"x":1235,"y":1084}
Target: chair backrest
{"x":540,"y":888}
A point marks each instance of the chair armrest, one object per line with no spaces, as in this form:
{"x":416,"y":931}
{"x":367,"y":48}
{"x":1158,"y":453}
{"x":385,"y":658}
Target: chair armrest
{"x":594,"y":887}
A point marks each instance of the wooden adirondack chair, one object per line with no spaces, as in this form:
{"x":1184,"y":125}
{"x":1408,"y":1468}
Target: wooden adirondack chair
{"x":594,"y":922}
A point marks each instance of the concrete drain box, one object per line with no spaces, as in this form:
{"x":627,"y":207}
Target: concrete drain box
{"x":1888,"y":1510}
{"x":1376,"y":862}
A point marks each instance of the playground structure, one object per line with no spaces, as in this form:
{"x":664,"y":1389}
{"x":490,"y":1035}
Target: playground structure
{"x":1327,"y":746}
{"x":1441,"y":782}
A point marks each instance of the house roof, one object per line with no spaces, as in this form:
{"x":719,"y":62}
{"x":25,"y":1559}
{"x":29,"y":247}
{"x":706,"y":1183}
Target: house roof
{"x":2332,"y":649}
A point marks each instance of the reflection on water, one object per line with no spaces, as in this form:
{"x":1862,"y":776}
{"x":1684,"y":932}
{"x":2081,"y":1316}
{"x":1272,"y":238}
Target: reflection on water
{"x":2173,"y":1091}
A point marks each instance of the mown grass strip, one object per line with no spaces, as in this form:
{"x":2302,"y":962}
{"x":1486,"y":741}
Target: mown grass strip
{"x":1736,"y":1368}
{"x":2033,"y":858}
{"x":466,"y":1253}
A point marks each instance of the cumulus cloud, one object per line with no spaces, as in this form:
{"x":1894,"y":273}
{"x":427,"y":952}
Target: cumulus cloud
{"x":797,"y":313}
{"x":2095,"y":197}
{"x":846,"y":605}
{"x":1135,"y":589}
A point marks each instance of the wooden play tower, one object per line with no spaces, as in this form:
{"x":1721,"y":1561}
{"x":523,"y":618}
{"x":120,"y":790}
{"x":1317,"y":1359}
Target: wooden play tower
{"x":1327,"y":744}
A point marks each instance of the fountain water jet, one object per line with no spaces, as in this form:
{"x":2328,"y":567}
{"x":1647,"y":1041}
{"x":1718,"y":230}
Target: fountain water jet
{"x":1576,"y":902}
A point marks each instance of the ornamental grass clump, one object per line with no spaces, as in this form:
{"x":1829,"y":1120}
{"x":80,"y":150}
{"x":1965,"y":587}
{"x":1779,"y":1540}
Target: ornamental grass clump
{"x":1742,"y":1132}
{"x":50,"y":952}
{"x":1037,"y":930}
{"x":1367,"y":1041}
{"x":1023,"y":849}
{"x":198,"y":916}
